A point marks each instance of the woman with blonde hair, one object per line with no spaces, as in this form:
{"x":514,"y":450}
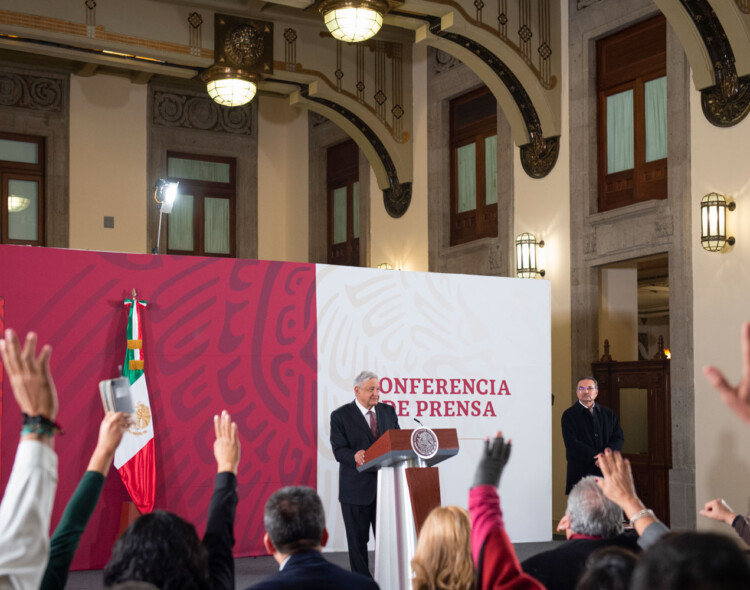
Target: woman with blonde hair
{"x":442,"y":560}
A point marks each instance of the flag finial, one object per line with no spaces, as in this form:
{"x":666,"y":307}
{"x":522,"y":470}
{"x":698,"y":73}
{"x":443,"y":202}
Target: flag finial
{"x":133,"y":295}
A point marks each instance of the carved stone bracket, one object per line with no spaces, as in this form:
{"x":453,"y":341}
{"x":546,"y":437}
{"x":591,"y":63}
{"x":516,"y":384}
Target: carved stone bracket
{"x":173,"y":109}
{"x":728,"y":101}
{"x":39,"y":93}
{"x":540,"y":154}
{"x":538,"y":158}
{"x":443,"y":62}
{"x":397,"y":197}
{"x":725,"y":112}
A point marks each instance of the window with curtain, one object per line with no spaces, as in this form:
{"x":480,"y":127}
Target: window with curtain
{"x":632,"y":115}
{"x":342,"y":179}
{"x":473,"y":153}
{"x":22,"y":176}
{"x":202,"y":221}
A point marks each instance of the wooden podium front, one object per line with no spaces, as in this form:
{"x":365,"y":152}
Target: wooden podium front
{"x":408,"y":489}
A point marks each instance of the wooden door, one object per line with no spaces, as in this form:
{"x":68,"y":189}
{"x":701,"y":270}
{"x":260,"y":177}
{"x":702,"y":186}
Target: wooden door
{"x":639,"y":393}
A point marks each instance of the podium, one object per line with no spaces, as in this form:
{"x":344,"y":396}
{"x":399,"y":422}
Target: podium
{"x":408,"y":489}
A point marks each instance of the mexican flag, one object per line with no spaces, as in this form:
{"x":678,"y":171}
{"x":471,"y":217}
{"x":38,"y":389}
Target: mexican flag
{"x":135,"y":457}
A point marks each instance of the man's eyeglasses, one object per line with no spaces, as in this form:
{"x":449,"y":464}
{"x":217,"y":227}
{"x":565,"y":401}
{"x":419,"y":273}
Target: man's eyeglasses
{"x":590,"y":388}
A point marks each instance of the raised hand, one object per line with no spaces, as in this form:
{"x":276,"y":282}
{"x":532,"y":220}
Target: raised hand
{"x":111,"y":430}
{"x":227,"y":445}
{"x":719,"y":510}
{"x":737,"y":398}
{"x":29,"y":375}
{"x":493,"y":461}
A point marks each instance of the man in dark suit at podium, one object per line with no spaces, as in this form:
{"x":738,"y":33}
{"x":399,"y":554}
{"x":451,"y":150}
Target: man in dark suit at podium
{"x":354,"y":427}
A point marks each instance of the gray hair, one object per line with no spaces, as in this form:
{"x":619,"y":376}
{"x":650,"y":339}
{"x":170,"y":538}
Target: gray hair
{"x":294,"y":519}
{"x":591,"y":512}
{"x":364,"y":376}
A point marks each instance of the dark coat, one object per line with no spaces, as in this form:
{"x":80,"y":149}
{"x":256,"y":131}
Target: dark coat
{"x":560,"y":568}
{"x":350,"y":433}
{"x":310,"y":570}
{"x":583,"y":442}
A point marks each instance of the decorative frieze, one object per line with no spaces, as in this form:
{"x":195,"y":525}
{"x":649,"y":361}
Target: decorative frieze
{"x":172,"y":109}
{"x":35,"y":92}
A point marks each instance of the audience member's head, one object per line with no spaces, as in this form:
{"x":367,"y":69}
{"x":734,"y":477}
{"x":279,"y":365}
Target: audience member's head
{"x":443,"y":559}
{"x":160,"y":548}
{"x":686,"y":561}
{"x":295,"y":520}
{"x":608,"y":568}
{"x":591,"y":512}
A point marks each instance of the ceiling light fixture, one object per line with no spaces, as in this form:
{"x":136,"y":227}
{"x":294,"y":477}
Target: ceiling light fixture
{"x":230,"y":87}
{"x":243,"y":50}
{"x":353,"y":20}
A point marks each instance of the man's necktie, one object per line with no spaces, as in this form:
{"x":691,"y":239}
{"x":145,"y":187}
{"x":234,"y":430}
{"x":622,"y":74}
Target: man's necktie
{"x":373,"y":423}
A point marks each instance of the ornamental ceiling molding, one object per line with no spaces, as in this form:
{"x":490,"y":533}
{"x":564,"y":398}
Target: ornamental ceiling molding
{"x":528,"y":29}
{"x":35,"y":92}
{"x":397,"y":197}
{"x":540,"y":154}
{"x":199,"y":112}
{"x":727,"y":102}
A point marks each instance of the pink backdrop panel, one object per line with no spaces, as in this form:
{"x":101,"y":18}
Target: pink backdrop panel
{"x":218,"y":334}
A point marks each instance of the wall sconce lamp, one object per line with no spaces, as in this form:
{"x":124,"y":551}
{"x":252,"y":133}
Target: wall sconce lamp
{"x":526,"y":262}
{"x":714,"y":222}
{"x":353,"y":20}
{"x":243,"y":50}
{"x":385,"y":266}
{"x":165,"y":193}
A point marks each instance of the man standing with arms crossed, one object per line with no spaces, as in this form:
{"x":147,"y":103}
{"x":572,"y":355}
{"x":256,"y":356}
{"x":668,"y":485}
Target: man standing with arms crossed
{"x":354,"y":427}
{"x":588,"y":428}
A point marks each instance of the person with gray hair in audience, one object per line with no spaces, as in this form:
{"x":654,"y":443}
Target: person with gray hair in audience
{"x":295,"y":535}
{"x":591,"y":521}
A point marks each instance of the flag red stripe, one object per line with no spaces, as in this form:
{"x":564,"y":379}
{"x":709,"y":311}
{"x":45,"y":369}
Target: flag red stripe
{"x":139,"y":477}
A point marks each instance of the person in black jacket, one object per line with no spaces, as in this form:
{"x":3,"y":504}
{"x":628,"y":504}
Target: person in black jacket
{"x":354,"y":427}
{"x":588,"y":428}
{"x":295,"y":535}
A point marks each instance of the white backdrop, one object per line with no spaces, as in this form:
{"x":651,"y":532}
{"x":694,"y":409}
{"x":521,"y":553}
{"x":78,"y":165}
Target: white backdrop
{"x":430,"y":326}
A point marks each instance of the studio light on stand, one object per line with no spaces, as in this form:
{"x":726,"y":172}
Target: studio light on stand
{"x":165,"y":193}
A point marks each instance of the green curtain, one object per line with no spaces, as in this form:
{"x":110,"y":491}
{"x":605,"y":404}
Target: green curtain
{"x":22,"y":224}
{"x":19,"y":151}
{"x":197,"y":170}
{"x":655,"y":98}
{"x":466,"y":157}
{"x":181,"y":224}
{"x":620,"y":131}
{"x":216,"y":226}
{"x":490,"y":170}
